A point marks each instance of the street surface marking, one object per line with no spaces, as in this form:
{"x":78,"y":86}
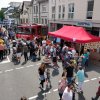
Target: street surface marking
{"x":30,"y":66}
{"x":31,"y":98}
{"x":20,"y":67}
{"x":93,"y":79}
{"x":9,"y":70}
{"x":55,"y":90}
{"x":46,"y":93}
{"x":86,"y":80}
{"x":5,"y":61}
{"x":38,"y":64}
{"x":8,"y":58}
{"x":0,"y":72}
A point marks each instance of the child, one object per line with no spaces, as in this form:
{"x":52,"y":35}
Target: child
{"x":48,"y":77}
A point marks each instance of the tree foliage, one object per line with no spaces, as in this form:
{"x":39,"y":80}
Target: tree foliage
{"x":1,"y":15}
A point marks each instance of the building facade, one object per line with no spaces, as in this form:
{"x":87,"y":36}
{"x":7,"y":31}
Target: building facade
{"x":41,"y":11}
{"x":15,"y":4}
{"x":24,"y":15}
{"x":83,"y":13}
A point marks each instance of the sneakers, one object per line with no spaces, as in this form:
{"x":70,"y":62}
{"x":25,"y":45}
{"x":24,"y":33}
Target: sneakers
{"x":43,"y":89}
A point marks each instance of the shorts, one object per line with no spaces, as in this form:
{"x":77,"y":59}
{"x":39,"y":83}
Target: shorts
{"x":18,"y":54}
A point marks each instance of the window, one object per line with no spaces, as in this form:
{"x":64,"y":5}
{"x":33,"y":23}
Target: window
{"x":42,"y":21}
{"x":43,"y":8}
{"x":59,"y":15}
{"x":34,"y":20}
{"x":90,"y":9}
{"x":36,"y":9}
{"x":63,"y":11}
{"x":70,"y":11}
{"x":26,"y":20}
{"x":23,"y":20}
{"x":45,"y":21}
{"x":53,"y":12}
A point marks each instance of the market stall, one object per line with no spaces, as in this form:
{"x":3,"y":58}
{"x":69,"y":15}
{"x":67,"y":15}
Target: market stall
{"x":78,"y":35}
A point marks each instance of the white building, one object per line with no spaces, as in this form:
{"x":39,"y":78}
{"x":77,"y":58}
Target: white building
{"x":41,"y":11}
{"x":30,"y":14}
{"x":83,"y":13}
{"x":24,"y":15}
{"x":9,"y":17}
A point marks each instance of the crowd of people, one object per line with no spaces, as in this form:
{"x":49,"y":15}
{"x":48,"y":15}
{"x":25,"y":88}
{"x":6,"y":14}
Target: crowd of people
{"x":73,"y":63}
{"x":5,"y":37}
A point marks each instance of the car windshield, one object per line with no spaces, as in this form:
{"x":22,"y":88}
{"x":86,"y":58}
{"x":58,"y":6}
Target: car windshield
{"x":24,"y":30}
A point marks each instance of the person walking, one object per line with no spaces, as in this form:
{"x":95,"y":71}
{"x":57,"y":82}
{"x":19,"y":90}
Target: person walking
{"x":80,"y":75}
{"x":25,"y":51}
{"x":97,"y":93}
{"x":1,"y":51}
{"x":48,"y":82}
{"x":61,"y":86}
{"x":70,"y":72}
{"x":68,"y":93}
{"x":19,"y":52}
{"x":41,"y":71}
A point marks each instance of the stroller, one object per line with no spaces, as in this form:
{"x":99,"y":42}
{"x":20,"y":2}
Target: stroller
{"x":14,"y":56}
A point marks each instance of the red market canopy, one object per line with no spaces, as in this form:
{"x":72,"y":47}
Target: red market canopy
{"x":75,"y":34}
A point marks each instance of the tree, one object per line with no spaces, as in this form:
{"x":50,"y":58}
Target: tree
{"x":1,"y":15}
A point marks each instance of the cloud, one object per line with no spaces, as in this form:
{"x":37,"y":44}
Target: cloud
{"x":5,"y":3}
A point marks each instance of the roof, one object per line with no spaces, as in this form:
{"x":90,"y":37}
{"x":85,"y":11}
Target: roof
{"x":26,"y":3}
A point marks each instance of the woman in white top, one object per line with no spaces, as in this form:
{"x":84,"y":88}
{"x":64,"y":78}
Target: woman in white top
{"x":68,"y":93}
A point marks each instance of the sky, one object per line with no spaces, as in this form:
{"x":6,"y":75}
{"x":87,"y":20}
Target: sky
{"x":5,"y":3}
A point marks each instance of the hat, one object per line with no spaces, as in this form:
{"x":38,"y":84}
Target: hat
{"x":69,"y":52}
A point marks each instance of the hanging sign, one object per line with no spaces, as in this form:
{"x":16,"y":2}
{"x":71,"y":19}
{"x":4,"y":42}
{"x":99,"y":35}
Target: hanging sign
{"x":84,"y":24}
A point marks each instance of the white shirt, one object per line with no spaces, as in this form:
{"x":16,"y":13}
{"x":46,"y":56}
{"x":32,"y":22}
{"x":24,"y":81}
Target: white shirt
{"x":67,"y":95}
{"x":44,"y":43}
{"x":73,"y":52}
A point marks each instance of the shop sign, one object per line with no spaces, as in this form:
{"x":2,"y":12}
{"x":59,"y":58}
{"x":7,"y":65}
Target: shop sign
{"x":84,"y":24}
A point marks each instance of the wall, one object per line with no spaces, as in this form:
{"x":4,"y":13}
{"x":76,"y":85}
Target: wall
{"x":96,"y":13}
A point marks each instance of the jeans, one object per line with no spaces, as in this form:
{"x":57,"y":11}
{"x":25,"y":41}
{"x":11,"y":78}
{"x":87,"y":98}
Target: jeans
{"x":69,"y":79}
{"x":33,"y":58}
{"x":25,"y":56}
